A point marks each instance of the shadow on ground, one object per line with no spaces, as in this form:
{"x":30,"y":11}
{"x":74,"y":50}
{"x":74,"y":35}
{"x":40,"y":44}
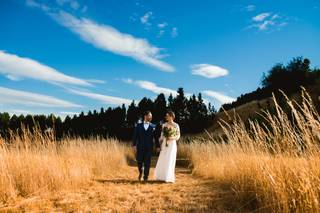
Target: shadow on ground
{"x":180,"y":163}
{"x":127,"y":181}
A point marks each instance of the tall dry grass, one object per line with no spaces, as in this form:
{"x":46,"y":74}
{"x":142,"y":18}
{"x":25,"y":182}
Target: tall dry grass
{"x":34,"y":163}
{"x":272,"y":166}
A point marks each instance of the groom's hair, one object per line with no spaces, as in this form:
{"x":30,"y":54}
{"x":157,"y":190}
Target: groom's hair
{"x":146,"y":113}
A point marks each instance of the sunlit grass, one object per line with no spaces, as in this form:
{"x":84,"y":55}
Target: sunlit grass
{"x":33,"y":163}
{"x":261,"y":167}
{"x":267,"y":167}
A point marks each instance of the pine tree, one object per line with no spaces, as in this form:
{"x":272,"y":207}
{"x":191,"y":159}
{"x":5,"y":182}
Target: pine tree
{"x":146,"y":104}
{"x":170,"y":102}
{"x":132,"y":114}
{"x":179,"y":107}
{"x":160,"y":108}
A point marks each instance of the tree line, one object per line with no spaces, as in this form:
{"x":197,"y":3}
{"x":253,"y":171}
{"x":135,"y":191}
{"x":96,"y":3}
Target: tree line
{"x":288,"y":78}
{"x":192,"y":114}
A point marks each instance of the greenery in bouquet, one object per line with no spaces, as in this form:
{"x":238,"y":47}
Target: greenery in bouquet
{"x":169,"y":132}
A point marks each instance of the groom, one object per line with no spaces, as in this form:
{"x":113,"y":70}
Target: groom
{"x":143,"y":139}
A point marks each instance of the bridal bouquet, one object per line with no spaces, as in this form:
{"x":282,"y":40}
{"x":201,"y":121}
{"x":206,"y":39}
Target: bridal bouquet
{"x":169,"y":132}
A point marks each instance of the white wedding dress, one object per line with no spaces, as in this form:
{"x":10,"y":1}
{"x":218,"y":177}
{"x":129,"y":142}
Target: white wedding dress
{"x":165,"y":168}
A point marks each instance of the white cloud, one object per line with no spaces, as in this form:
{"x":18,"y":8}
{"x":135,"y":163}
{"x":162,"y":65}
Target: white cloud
{"x":62,"y":114}
{"x":218,"y":96}
{"x":147,"y":85}
{"x":268,"y":21}
{"x":96,"y":81}
{"x":16,"y":68}
{"x":20,"y":112}
{"x":153,"y":87}
{"x":265,"y":25}
{"x":110,"y":39}
{"x":250,"y":8}
{"x":72,"y":3}
{"x":18,"y":97}
{"x":68,"y":113}
{"x":145,"y":18}
{"x":127,"y":80}
{"x":261,"y":17}
{"x":162,"y":25}
{"x":32,"y":3}
{"x":102,"y":98}
{"x":208,"y":70}
{"x":174,"y":32}
{"x":150,"y":86}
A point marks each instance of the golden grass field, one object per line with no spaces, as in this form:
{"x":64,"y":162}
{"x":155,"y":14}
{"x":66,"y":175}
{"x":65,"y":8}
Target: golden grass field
{"x":37,"y":174}
{"x":269,"y":167}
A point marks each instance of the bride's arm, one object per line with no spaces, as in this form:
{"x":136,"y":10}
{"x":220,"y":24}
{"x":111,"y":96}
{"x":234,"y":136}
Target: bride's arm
{"x":178,"y":133}
{"x":161,"y":135}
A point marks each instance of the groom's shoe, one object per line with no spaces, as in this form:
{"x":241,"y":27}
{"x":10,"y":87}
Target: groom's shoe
{"x":139,"y":177}
{"x":145,"y":179}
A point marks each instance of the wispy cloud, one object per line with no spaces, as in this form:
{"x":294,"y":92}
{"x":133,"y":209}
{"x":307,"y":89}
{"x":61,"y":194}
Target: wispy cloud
{"x":15,"y":68}
{"x":268,"y":21}
{"x":161,"y":27}
{"x":72,"y":3}
{"x":133,"y":17}
{"x":150,"y":86}
{"x":154,"y":88}
{"x":164,"y":27}
{"x":112,"y":100}
{"x":20,"y":112}
{"x":18,"y":97}
{"x":220,"y":97}
{"x":68,"y":113}
{"x":146,"y":18}
{"x":17,"y":111}
{"x":208,"y":70}
{"x":108,"y":38}
{"x":174,"y":32}
{"x":250,"y":8}
{"x":32,"y":3}
{"x":260,"y":17}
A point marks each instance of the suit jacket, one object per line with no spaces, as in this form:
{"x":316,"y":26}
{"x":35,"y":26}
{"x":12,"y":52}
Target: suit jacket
{"x":144,"y":139}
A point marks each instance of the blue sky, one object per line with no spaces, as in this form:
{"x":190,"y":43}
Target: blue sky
{"x":65,"y":56}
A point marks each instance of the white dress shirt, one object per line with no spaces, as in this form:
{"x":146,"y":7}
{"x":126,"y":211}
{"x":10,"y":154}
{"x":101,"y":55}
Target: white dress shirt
{"x":146,"y":125}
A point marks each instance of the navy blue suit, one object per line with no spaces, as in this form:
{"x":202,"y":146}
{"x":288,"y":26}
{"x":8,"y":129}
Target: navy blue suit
{"x":144,"y":140}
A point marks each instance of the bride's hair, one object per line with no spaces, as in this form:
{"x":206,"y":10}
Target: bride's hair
{"x":171,"y":114}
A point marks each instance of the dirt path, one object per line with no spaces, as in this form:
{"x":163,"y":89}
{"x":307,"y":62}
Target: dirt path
{"x":124,"y":193}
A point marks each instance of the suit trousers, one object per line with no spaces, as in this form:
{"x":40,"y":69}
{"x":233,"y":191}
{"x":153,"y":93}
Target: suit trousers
{"x":144,"y":162}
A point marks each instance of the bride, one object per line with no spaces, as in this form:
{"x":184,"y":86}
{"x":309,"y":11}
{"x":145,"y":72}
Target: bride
{"x":167,"y":159}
